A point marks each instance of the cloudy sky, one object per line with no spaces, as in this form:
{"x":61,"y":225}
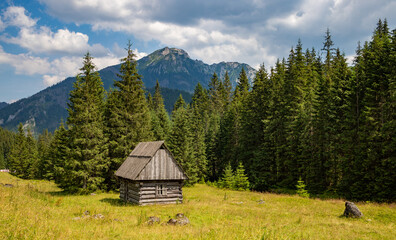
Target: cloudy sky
{"x":43,"y":41}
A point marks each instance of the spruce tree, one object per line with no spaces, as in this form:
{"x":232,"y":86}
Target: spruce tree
{"x":216,"y":91}
{"x":228,"y":135}
{"x":324,"y":162}
{"x":160,"y":118}
{"x":180,"y":103}
{"x":241,"y":180}
{"x":56,"y":165}
{"x":313,"y":73}
{"x":243,"y":85}
{"x":127,"y":115}
{"x":23,"y":155}
{"x":87,"y":162}
{"x":253,"y":120}
{"x":43,"y":146}
{"x":227,"y":88}
{"x":199,"y":119}
{"x":351,"y":172}
{"x":7,"y":139}
{"x":18,"y":155}
{"x":340,"y":91}
{"x":32,"y":166}
{"x":374,"y":119}
{"x":227,"y":180}
{"x":180,"y":142}
{"x":301,"y":191}
{"x":212,"y":142}
{"x":276,"y":127}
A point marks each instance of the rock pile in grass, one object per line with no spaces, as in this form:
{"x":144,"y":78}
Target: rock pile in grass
{"x":180,"y":219}
{"x":153,"y":220}
{"x":351,"y":210}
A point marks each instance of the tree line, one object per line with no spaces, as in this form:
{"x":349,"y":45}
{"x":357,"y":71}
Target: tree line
{"x":310,"y":118}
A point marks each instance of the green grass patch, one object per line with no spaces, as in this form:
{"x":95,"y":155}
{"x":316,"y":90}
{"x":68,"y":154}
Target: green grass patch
{"x":39,"y":210}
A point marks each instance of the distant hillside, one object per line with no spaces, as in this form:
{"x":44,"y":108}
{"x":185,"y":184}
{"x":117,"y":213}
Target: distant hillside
{"x":176,"y":72}
{"x":3,"y":104}
{"x":49,"y":107}
{"x":175,"y":69}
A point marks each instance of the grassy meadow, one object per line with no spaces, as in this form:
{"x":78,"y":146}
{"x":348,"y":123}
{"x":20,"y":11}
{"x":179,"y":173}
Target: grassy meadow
{"x":39,"y":210}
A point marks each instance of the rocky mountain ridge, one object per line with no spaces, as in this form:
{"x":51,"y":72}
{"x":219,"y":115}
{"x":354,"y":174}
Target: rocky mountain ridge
{"x":176,"y":72}
{"x":3,"y":104}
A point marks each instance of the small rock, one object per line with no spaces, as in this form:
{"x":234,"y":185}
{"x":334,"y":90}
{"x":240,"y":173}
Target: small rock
{"x":93,"y":194}
{"x":183,"y":221}
{"x":98,"y":216}
{"x":86,"y":213}
{"x":152,"y":220}
{"x":351,"y":210}
{"x":76,"y":218}
{"x":8,"y":185}
{"x":172,"y":221}
{"x":239,"y":202}
{"x":261,"y":201}
{"x":117,"y":220}
{"x":180,"y":220}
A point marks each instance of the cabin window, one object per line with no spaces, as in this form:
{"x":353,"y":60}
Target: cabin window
{"x":161,"y":190}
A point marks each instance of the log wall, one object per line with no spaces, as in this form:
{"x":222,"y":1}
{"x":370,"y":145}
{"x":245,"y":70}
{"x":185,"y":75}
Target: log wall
{"x":144,"y":192}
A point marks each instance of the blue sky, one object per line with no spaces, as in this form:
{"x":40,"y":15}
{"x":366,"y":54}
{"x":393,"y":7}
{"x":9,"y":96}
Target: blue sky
{"x":43,"y":41}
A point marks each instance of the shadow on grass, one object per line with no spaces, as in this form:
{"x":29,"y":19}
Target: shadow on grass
{"x":116,"y":202}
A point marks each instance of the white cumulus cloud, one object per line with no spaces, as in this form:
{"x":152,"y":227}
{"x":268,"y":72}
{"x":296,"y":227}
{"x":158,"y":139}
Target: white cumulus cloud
{"x":52,"y":71}
{"x":249,"y":31}
{"x":44,"y":45}
{"x":25,"y":63}
{"x":16,"y":16}
{"x":42,"y":40}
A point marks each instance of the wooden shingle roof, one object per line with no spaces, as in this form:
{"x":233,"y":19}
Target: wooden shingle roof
{"x":146,"y":149}
{"x":142,"y":164}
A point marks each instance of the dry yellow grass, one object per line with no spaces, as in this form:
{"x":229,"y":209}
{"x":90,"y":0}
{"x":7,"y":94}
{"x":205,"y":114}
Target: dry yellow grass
{"x":37,"y":210}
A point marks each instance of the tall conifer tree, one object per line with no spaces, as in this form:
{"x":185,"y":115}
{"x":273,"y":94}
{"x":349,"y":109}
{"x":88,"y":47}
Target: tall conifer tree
{"x":180,"y":140}
{"x":18,"y":154}
{"x":199,"y":119}
{"x":57,"y":163}
{"x":127,"y":115}
{"x":160,"y":118}
{"x":87,"y":162}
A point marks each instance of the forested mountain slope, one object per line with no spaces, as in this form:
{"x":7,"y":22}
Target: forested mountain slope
{"x":176,"y":72}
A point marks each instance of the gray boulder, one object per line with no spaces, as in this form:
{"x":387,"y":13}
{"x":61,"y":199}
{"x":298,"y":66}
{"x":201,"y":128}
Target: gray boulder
{"x":351,"y":210}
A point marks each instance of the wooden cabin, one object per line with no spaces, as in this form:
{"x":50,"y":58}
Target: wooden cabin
{"x":151,"y":175}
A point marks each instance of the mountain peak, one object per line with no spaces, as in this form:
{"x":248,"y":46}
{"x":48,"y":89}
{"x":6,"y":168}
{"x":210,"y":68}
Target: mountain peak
{"x":173,"y":51}
{"x":172,"y":67}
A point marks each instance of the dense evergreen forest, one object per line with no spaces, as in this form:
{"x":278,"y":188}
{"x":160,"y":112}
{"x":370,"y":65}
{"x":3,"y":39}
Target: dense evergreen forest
{"x":310,"y":117}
